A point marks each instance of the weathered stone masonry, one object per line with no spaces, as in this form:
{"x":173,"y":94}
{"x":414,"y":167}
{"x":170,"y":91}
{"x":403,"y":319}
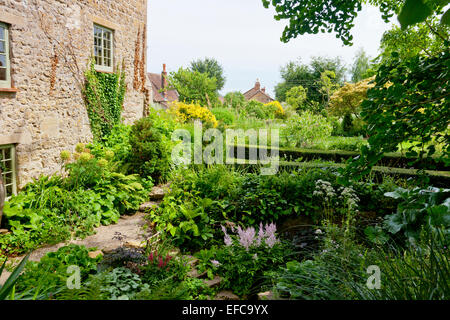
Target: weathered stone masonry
{"x":46,"y":113}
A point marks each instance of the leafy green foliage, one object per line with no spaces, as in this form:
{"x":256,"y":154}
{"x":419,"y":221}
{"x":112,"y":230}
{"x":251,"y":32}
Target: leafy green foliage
{"x":50,"y":275}
{"x":224,"y":115}
{"x":304,"y":129}
{"x":150,"y":150}
{"x":339,"y":271}
{"x":419,"y":210}
{"x":194,"y":87}
{"x":8,"y":286}
{"x":104,"y":94}
{"x":235,"y":100}
{"x":362,"y":67}
{"x":310,"y":77}
{"x":421,"y":39}
{"x":296,"y":97}
{"x":212,"y":68}
{"x":53,"y":209}
{"x":408,"y":104}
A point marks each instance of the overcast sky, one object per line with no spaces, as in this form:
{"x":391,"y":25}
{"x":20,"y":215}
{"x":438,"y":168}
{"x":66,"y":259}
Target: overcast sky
{"x":245,"y":38}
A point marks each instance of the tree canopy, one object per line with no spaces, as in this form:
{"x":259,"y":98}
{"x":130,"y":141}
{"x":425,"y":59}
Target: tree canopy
{"x":296,"y":73}
{"x":314,"y":16}
{"x":194,"y":87}
{"x":212,"y":68}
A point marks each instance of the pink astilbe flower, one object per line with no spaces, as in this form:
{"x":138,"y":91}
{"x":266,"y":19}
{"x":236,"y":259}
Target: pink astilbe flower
{"x":246,"y":237}
{"x":271,"y":238}
{"x":260,"y":235}
{"x":227,"y":239}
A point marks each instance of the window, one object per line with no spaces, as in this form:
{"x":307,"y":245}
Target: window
{"x":5,"y":77}
{"x":8,"y":166}
{"x":103,"y":48}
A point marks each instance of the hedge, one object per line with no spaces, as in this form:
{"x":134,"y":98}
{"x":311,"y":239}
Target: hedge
{"x":394,"y":160}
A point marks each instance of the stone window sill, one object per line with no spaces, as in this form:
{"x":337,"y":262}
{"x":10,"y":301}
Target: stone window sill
{"x":9,"y":90}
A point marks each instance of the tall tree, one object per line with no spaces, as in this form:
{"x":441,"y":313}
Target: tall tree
{"x":193,"y":87}
{"x":296,"y":73}
{"x":212,"y":68}
{"x":361,"y":68}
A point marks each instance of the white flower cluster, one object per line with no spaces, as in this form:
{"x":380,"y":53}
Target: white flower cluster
{"x":324,"y":189}
{"x":349,"y":196}
{"x":344,"y":195}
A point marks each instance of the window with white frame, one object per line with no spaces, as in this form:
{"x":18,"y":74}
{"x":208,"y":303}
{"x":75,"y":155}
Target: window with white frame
{"x":5,"y":74}
{"x":103,"y":48}
{"x":8,"y":166}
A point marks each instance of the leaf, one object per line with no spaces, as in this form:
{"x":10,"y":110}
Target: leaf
{"x":446,"y":18}
{"x":413,"y":11}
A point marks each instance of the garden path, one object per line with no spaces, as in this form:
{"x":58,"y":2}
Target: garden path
{"x":129,"y":231}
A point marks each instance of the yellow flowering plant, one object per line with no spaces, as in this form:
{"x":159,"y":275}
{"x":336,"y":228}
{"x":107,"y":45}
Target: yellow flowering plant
{"x":185,"y":112}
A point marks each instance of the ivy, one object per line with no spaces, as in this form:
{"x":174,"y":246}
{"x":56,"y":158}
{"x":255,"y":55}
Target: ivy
{"x":104,"y":94}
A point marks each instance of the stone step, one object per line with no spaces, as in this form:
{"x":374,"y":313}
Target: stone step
{"x":226,"y":295}
{"x":159,"y":192}
{"x":214,"y":282}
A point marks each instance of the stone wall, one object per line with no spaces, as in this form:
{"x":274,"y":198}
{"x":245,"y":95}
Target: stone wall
{"x":51,"y":42}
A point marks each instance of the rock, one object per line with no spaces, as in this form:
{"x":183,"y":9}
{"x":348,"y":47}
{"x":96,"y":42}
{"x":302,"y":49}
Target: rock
{"x":95,"y":254}
{"x":174,"y":252}
{"x":214,"y":282}
{"x":195,"y":274}
{"x":159,"y":192}
{"x":226,"y":295}
{"x":268,"y":295}
{"x":134,"y":244}
{"x":4,"y":231}
{"x":192,"y":261}
{"x":147,"y":206}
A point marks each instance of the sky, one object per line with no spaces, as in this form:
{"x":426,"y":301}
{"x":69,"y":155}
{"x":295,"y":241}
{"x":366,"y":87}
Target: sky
{"x":245,"y":38}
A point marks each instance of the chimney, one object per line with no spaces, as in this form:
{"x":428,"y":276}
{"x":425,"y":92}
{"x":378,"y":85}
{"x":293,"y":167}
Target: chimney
{"x":164,"y":82}
{"x":263,"y":89}
{"x":257,"y":85}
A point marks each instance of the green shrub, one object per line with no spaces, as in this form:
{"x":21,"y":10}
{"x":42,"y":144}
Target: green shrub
{"x":49,"y":275}
{"x":224,"y":115}
{"x":305,"y":129}
{"x":150,"y":150}
{"x":419,"y":209}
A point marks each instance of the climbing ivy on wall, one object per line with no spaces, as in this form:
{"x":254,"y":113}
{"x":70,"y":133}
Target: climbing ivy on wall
{"x":104,"y":94}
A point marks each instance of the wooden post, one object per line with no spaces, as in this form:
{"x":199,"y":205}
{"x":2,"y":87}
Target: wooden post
{"x":2,"y":196}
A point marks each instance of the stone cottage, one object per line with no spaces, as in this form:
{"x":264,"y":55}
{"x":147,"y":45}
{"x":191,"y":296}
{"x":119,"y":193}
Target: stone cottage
{"x":257,"y":93}
{"x":45,"y":47}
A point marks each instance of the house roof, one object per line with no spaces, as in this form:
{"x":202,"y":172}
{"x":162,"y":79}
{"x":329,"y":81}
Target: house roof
{"x":258,"y":94}
{"x":156,"y":81}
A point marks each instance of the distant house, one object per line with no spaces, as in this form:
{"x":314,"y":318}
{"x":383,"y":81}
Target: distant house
{"x":258,"y":94}
{"x":161,"y":95}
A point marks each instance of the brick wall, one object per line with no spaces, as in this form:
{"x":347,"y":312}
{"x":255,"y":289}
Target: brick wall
{"x":47,"y":114}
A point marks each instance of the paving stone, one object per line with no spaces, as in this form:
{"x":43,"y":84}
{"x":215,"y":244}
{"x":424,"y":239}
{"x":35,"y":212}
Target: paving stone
{"x":147,"y":206}
{"x":268,"y":295}
{"x":95,"y":254}
{"x":195,"y":274}
{"x":214,"y":282}
{"x":226,"y":295}
{"x":134,"y":244}
{"x":192,"y":261}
